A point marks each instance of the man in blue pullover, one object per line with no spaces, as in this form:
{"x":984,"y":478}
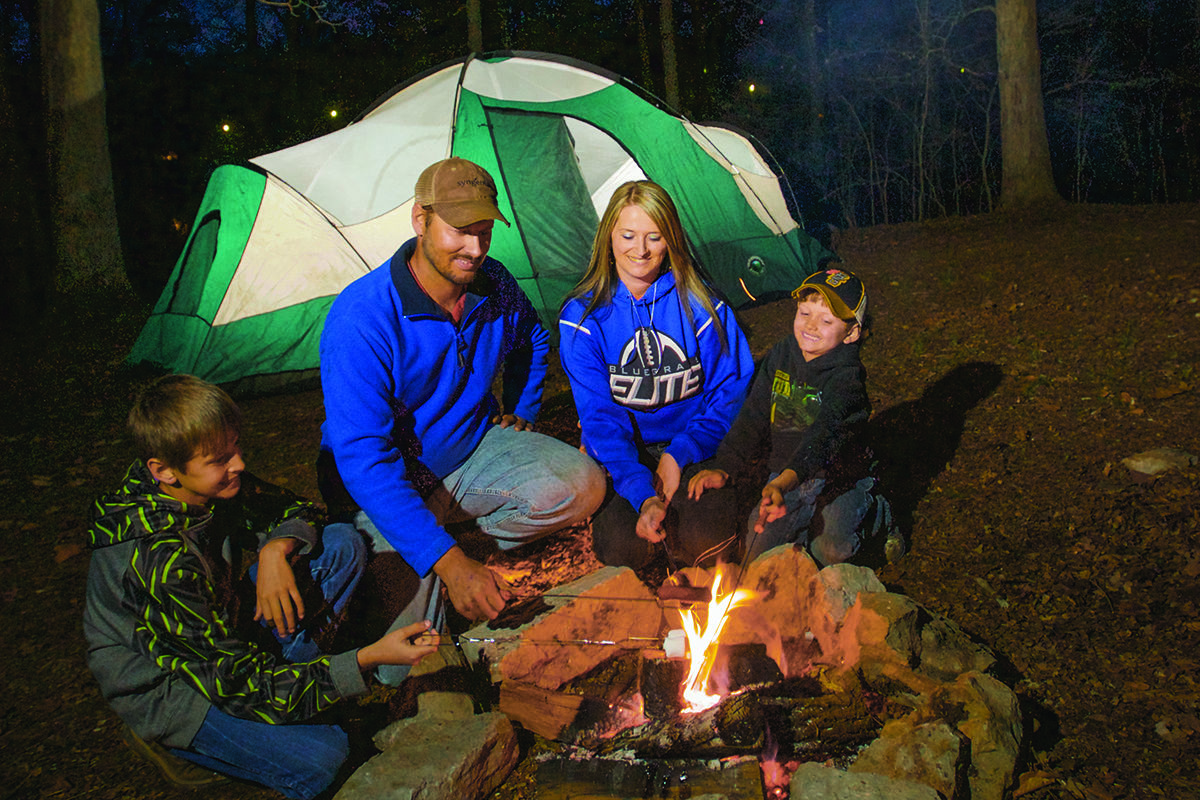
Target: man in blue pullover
{"x":409,"y":355}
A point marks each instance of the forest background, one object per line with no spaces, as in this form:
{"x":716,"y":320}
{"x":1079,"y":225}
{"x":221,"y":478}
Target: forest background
{"x":876,"y":112}
{"x":1028,"y":340}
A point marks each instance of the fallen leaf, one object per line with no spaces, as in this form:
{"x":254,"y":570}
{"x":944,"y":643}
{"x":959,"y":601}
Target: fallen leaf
{"x":1166,"y":391}
{"x":1032,"y":781}
{"x":64,"y":551}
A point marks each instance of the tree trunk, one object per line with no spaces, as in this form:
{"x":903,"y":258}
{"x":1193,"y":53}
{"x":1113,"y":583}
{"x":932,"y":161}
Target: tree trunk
{"x":644,"y":43}
{"x":24,"y":243}
{"x":1025,"y":149}
{"x":84,"y":213}
{"x":811,"y":64}
{"x":252,"y":27}
{"x":474,"y":26}
{"x":666,"y":25}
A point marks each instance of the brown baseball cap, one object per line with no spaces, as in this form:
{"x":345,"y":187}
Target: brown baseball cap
{"x":461,"y":192}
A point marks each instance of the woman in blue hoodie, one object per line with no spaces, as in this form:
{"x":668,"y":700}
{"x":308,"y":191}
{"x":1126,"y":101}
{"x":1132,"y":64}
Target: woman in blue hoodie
{"x":658,"y":367}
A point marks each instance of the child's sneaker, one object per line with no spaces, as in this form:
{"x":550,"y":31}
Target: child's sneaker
{"x":178,"y":771}
{"x":894,"y":548}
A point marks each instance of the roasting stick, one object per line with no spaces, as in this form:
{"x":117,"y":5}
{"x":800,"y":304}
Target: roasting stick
{"x":685,"y":595}
{"x":643,"y":642}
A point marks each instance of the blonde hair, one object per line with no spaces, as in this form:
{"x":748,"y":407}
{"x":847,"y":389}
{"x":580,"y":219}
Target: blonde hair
{"x":601,"y":274}
{"x":178,"y":417}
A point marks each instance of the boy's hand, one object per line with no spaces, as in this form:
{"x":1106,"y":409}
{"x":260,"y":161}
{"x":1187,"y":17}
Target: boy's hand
{"x":773,"y":506}
{"x":512,"y":421}
{"x":475,"y":590}
{"x":706,"y":479}
{"x":408,"y":645}
{"x":667,"y":476}
{"x":277,"y":598}
{"x":649,"y":524}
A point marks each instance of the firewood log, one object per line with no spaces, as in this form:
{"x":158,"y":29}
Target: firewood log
{"x":830,"y":724}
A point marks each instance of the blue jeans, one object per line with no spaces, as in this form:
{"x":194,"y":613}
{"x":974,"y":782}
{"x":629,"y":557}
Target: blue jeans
{"x":294,"y":760}
{"x":832,"y":529}
{"x":333,"y":570}
{"x":517,"y":486}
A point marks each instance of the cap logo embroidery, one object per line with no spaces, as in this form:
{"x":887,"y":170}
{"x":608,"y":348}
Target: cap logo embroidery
{"x":836,"y":278}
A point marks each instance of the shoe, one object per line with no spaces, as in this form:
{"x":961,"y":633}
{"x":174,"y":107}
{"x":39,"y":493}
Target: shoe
{"x":894,"y":548}
{"x":178,"y":771}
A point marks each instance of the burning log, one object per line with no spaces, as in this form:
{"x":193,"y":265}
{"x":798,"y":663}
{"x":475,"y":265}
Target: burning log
{"x":824,"y":725}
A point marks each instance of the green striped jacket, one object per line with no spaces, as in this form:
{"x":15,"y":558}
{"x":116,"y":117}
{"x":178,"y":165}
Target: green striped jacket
{"x":160,"y":615}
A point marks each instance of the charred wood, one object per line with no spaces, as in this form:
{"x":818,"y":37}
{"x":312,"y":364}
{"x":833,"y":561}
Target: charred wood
{"x":829,"y":725}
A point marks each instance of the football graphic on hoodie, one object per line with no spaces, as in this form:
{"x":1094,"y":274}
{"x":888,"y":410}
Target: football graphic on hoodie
{"x":653,"y":372}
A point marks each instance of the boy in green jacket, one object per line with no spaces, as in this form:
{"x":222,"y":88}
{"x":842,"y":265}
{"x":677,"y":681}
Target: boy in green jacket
{"x":188,"y":554}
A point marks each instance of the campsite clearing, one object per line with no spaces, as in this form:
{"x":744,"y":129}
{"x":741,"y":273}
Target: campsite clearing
{"x":1015,"y":362}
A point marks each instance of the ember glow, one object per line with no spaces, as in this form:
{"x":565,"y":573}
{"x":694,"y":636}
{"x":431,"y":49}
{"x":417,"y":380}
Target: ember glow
{"x":702,"y":644}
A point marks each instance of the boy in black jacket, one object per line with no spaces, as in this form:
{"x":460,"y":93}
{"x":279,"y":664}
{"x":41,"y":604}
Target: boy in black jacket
{"x":808,"y":404}
{"x":193,"y":560}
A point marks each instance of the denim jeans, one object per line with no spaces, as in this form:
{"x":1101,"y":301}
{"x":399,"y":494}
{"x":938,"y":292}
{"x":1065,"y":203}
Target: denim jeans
{"x":832,"y":529}
{"x":294,"y":760}
{"x":334,"y":570}
{"x":517,"y":486}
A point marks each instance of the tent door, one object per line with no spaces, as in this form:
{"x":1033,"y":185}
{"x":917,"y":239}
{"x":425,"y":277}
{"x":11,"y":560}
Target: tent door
{"x":553,"y":209}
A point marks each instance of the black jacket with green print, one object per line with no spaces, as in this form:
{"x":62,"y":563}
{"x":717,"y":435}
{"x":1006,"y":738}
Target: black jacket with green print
{"x":806,"y":415}
{"x":162,"y":608}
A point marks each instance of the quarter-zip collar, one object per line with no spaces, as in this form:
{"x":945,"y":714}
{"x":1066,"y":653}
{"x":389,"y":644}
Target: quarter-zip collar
{"x":417,"y":304}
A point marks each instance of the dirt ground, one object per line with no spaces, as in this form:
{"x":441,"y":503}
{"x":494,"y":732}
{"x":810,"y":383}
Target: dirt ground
{"x":1014,"y":362}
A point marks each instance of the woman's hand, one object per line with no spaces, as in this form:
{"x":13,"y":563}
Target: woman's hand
{"x":706,"y":479}
{"x":649,"y":524}
{"x":667,"y":476}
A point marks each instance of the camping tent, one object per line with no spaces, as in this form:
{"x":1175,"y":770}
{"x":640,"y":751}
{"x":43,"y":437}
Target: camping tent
{"x":275,"y":241}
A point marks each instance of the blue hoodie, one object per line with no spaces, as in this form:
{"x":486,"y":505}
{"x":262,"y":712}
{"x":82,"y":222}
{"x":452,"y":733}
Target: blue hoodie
{"x":640,"y":371}
{"x":408,"y":394}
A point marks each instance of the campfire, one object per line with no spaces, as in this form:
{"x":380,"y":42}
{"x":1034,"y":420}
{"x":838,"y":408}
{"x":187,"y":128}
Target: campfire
{"x":702,"y":642}
{"x":787,"y":680}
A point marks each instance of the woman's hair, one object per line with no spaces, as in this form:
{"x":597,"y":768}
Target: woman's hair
{"x":601,"y":273}
{"x":180,"y":416}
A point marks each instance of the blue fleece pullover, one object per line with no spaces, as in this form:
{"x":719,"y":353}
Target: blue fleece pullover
{"x":639,"y":370}
{"x":408,"y":394}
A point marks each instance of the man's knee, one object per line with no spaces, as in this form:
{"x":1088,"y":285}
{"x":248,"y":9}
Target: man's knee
{"x":578,"y":489}
{"x":591,"y":486}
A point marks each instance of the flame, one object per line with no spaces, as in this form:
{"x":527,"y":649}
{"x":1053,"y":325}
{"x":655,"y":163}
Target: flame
{"x":702,"y":644}
{"x":777,"y":775}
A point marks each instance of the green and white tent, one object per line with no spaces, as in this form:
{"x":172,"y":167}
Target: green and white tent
{"x":275,"y":241}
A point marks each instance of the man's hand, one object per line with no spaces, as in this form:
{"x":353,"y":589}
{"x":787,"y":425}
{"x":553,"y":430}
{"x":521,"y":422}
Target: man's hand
{"x":277,"y":599}
{"x":649,"y":524}
{"x":475,"y":590}
{"x":512,"y":421}
{"x":408,"y":645}
{"x":667,"y":476}
{"x":773,"y":506}
{"x":706,"y":479}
